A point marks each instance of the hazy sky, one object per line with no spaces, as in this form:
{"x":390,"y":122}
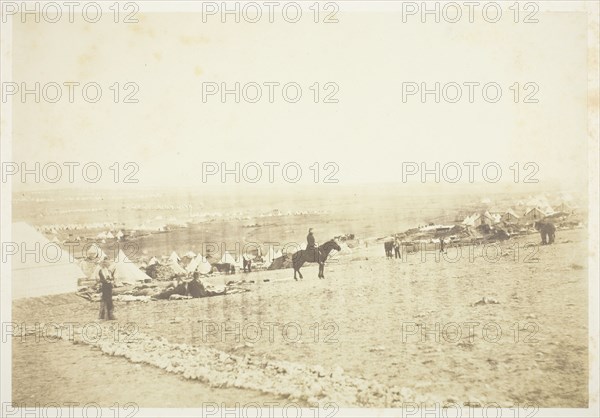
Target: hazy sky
{"x":368,"y":133}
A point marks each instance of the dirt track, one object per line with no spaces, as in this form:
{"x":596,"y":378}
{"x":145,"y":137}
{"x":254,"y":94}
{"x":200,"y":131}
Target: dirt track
{"x":366,"y":312}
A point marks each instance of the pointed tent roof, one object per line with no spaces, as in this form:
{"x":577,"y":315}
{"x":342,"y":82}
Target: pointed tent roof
{"x":199,"y":264}
{"x":125,"y":270}
{"x":174,"y":257}
{"x":177,"y":269}
{"x":101,"y":235}
{"x":109,"y":235}
{"x":33,"y":275}
{"x":153,"y":260}
{"x":470,"y":220}
{"x":190,"y":254}
{"x":119,"y":235}
{"x":535,"y":209}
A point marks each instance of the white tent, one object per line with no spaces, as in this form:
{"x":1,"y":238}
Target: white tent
{"x":174,"y":257}
{"x":101,"y":235}
{"x":95,"y":252}
{"x":229,"y":259}
{"x":176,"y":267}
{"x":125,"y":270}
{"x":45,"y":271}
{"x":269,"y":256}
{"x":153,"y":260}
{"x":199,"y":264}
{"x":190,"y":254}
{"x":119,"y":235}
{"x":94,"y":275}
{"x":109,"y":235}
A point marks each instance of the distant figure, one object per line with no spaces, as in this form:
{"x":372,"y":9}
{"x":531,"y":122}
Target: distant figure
{"x":396,"y":248}
{"x":388,"y":247}
{"x":247,"y":264}
{"x":441,"y":245}
{"x":106,"y":287}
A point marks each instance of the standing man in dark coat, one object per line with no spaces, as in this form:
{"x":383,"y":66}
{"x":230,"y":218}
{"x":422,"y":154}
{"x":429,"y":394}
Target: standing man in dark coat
{"x":106,"y":288}
{"x":397,"y":248}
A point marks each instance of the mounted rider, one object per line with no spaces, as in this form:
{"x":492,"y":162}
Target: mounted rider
{"x":311,"y":245}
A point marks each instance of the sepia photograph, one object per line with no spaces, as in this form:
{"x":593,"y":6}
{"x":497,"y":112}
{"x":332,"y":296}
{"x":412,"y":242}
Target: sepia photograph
{"x":299,"y":208}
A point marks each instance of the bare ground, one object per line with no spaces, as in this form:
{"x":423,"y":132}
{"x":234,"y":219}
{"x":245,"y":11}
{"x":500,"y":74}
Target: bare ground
{"x":366,"y":312}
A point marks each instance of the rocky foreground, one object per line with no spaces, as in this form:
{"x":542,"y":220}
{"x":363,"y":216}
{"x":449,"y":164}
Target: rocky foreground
{"x":298,"y":382}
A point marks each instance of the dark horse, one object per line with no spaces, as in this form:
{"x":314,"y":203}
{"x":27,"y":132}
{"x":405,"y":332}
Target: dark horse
{"x":316,"y":255}
{"x":547,"y":231}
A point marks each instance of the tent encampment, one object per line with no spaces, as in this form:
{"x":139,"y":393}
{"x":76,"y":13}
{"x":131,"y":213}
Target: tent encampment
{"x":40,"y":267}
{"x":125,"y":270}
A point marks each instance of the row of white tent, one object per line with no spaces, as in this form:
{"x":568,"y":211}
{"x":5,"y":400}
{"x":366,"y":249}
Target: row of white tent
{"x":198,"y":263}
{"x":109,"y":235}
{"x":126,"y":270}
{"x":54,"y":228}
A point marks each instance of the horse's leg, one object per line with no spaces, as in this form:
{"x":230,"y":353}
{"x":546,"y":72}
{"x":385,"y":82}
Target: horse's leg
{"x":297,"y":269}
{"x":321,"y":268}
